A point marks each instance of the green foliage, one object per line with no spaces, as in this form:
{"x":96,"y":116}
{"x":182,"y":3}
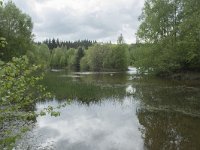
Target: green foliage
{"x":19,"y":91}
{"x":3,"y":44}
{"x":71,"y":57}
{"x":96,"y":55}
{"x":100,"y":57}
{"x":62,"y":57}
{"x":149,"y":58}
{"x":59,"y":58}
{"x":78,"y":55}
{"x":131,"y":55}
{"x":16,"y":27}
{"x":84,"y":64}
{"x":74,"y":57}
{"x":170,"y":31}
{"x":104,"y":57}
{"x":40,"y":55}
{"x":52,"y":43}
{"x":119,"y":57}
{"x":142,"y":58}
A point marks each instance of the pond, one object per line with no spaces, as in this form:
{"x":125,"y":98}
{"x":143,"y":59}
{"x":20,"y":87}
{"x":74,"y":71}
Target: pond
{"x":117,"y":111}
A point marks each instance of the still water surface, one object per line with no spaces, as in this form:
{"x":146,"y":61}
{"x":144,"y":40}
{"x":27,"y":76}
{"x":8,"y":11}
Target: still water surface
{"x":117,"y":111}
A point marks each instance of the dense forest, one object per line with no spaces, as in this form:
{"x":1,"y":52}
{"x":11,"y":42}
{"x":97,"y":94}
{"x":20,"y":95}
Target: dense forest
{"x":52,"y":43}
{"x":168,"y":41}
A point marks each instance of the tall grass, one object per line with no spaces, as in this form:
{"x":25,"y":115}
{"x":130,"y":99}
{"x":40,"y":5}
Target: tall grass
{"x":74,"y":88}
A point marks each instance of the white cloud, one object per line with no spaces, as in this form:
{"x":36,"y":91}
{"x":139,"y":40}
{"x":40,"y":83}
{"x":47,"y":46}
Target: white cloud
{"x":100,"y":20}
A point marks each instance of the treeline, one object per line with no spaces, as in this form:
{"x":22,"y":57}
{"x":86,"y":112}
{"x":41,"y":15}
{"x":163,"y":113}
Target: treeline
{"x":16,"y":32}
{"x":88,"y":56}
{"x":52,"y":43}
{"x":98,"y":57}
{"x":168,"y":41}
{"x":168,"y":37}
{"x":17,"y":40}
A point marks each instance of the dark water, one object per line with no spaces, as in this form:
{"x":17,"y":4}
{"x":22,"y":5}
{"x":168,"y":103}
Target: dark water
{"x":117,"y":111}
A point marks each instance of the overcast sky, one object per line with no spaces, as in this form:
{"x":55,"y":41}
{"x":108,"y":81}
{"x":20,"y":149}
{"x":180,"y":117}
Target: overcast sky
{"x":101,"y":20}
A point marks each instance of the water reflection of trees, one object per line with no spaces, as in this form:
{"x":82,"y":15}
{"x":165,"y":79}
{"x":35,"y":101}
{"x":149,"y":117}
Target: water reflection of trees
{"x":169,"y":97}
{"x":162,"y":130}
{"x":169,"y":115}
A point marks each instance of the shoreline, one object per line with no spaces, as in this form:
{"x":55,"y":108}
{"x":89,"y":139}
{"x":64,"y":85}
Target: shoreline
{"x":191,"y":76}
